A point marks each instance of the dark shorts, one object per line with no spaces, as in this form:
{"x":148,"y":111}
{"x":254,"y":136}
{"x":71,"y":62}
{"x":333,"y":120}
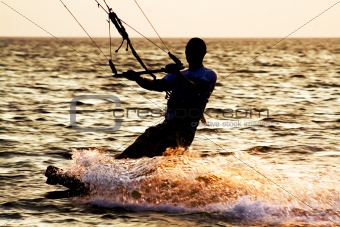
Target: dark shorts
{"x":156,"y":139}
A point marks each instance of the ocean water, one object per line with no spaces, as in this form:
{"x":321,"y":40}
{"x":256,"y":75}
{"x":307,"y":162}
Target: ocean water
{"x":268,"y":155}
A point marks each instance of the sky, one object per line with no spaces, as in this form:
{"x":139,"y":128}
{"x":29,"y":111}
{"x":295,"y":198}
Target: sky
{"x":174,"y":18}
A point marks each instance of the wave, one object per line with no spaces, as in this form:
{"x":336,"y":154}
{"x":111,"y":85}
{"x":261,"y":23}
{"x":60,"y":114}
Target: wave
{"x":238,"y":186}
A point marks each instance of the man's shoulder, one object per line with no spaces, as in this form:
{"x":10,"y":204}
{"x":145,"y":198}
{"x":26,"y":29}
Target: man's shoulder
{"x":209,"y":74}
{"x":203,"y":73}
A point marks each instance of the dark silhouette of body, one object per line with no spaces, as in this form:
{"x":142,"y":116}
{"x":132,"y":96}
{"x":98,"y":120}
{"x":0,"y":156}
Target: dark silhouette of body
{"x":189,"y":91}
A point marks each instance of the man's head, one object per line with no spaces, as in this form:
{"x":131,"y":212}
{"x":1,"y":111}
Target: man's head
{"x":195,"y":51}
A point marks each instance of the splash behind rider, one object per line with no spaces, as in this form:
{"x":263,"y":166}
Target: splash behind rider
{"x":189,"y":91}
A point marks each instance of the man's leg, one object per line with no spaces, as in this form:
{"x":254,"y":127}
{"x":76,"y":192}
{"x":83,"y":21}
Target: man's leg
{"x":175,"y":135}
{"x":146,"y":143}
{"x":155,"y":140}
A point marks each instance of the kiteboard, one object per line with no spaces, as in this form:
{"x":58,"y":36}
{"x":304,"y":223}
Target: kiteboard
{"x":56,"y":176}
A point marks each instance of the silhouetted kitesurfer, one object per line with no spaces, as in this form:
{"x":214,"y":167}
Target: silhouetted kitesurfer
{"x":188,"y":92}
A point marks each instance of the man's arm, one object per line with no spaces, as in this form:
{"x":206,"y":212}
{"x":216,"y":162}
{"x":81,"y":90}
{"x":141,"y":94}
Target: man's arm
{"x":153,"y":85}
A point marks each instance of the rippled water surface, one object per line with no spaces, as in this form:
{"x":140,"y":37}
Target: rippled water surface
{"x":279,"y":166}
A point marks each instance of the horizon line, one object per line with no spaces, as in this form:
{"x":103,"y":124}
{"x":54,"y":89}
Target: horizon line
{"x":174,"y":37}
